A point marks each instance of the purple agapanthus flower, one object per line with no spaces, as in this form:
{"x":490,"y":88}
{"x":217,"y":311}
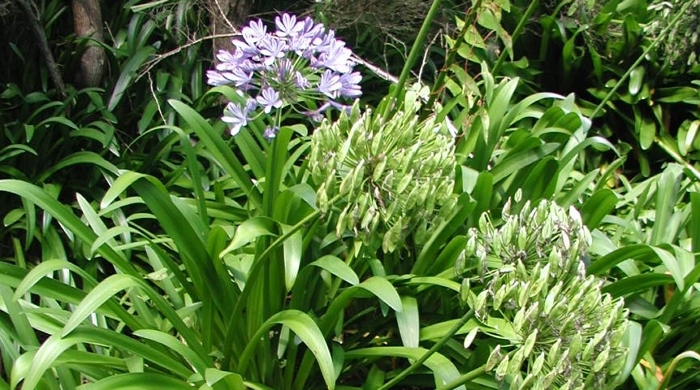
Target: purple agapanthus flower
{"x":254,"y":32}
{"x":268,"y":99}
{"x":336,"y":58}
{"x":271,"y":132}
{"x":287,"y":25}
{"x":329,"y":84}
{"x":350,"y":85}
{"x":237,"y":116}
{"x":300,"y":63}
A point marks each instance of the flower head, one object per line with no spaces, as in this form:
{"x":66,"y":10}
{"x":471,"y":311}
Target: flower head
{"x":297,"y":63}
{"x":568,"y":333}
{"x":392,"y":175}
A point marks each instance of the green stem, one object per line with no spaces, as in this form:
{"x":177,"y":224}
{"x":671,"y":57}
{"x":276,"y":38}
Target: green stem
{"x":348,"y":260}
{"x":639,"y":60}
{"x":462,"y":379}
{"x":671,"y":152}
{"x":413,"y":55}
{"x":403,"y":374}
{"x":518,"y":30}
{"x":452,"y":56}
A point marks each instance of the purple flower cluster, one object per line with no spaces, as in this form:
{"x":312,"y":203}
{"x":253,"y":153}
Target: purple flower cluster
{"x":301,"y":61}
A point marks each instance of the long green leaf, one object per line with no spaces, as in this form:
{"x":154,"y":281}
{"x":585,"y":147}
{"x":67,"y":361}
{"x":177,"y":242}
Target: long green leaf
{"x":137,"y":381}
{"x":72,"y":223}
{"x":408,"y":322}
{"x":307,"y":330}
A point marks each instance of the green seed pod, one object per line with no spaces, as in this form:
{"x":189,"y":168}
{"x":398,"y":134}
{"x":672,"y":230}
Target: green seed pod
{"x":465,"y":293}
{"x":499,"y":297}
{"x":516,"y":362}
{"x":393,"y":236}
{"x":502,"y":368}
{"x":516,"y":382}
{"x":522,"y":238}
{"x":351,"y":219}
{"x":358,"y":177}
{"x":505,"y":213}
{"x":541,"y":281}
{"x":523,"y":294}
{"x":549,"y":379}
{"x":551,"y":298}
{"x":519,"y":320}
{"x":576,"y":344}
{"x":617,"y":364}
{"x":367,"y":218}
{"x":601,"y":360}
{"x":404,"y":182}
{"x":340,"y":226}
{"x":588,"y":351}
{"x":532,"y":313}
{"x":470,"y":247}
{"x":483,"y":223}
{"x":527,"y":382}
{"x":529,"y":343}
{"x":470,"y":337}
{"x":481,"y":301}
{"x":322,"y":198}
{"x":618,"y":333}
{"x":346,"y":184}
{"x":377,"y":143}
{"x":537,"y":365}
{"x":494,"y":358}
{"x":379,"y":168}
{"x":553,"y":355}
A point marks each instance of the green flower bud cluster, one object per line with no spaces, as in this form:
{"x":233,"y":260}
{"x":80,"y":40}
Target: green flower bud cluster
{"x":393,"y":175}
{"x":545,"y":233}
{"x":563,"y":332}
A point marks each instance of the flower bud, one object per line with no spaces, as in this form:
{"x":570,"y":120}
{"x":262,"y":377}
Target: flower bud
{"x":322,"y":198}
{"x":494,"y":358}
{"x":601,"y":359}
{"x":516,"y":362}
{"x":470,"y":337}
{"x":529,"y":343}
{"x":502,"y":368}
{"x":537,"y":365}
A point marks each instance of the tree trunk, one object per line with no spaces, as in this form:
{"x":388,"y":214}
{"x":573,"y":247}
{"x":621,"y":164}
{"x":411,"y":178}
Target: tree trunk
{"x":226,"y":18}
{"x":87,"y":19}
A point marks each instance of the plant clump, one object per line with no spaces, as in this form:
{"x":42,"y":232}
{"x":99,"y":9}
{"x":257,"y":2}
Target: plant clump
{"x":563,"y":331}
{"x":392,"y":175}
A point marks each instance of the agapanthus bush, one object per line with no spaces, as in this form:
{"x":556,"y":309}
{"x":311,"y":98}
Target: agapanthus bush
{"x":562,"y":331}
{"x":300,"y":65}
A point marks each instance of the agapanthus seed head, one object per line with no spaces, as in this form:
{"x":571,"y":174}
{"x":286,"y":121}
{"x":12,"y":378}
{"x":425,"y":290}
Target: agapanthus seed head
{"x":569,"y":333}
{"x":395,"y":166}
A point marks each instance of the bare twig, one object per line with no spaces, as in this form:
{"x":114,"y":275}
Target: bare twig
{"x":376,"y":70}
{"x":223,"y":16}
{"x":155,"y":98}
{"x":160,"y":57}
{"x":426,"y":53}
{"x":32,"y":16}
